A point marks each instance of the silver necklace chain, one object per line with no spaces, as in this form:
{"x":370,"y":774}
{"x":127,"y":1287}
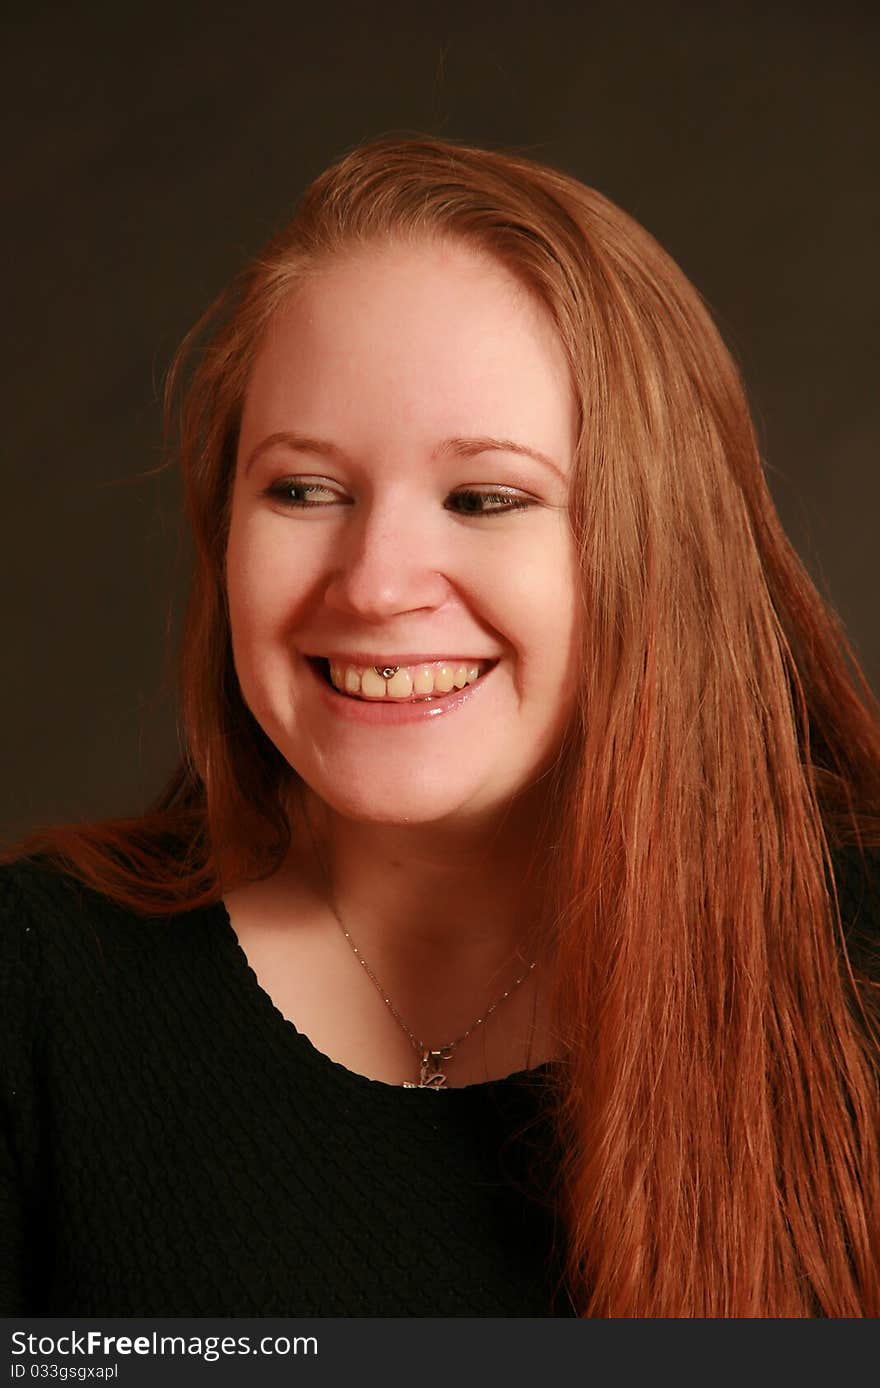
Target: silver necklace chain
{"x":420,"y":1045}
{"x":431,"y":1060}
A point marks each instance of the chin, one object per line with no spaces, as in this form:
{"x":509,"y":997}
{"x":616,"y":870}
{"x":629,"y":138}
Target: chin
{"x":401,"y":803}
{"x":394,"y":813}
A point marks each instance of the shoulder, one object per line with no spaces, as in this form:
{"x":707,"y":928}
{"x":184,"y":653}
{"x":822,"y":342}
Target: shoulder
{"x":40,"y":901}
{"x":32,"y":896}
{"x":19,"y":948}
{"x":33,"y":887}
{"x":33,"y":905}
{"x":48,"y":931}
{"x":52,"y":922}
{"x":81,"y":975}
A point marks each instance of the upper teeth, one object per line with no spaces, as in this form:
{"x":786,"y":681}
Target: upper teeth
{"x":403,"y":681}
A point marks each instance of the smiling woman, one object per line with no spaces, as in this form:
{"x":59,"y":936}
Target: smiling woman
{"x":523,"y":764}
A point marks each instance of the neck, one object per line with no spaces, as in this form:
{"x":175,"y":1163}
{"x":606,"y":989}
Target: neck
{"x":434,"y":896}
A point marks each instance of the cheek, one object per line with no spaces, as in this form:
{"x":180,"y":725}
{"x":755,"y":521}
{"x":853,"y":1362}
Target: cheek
{"x":259,"y":613}
{"x":542,"y":590}
{"x":263,"y":582}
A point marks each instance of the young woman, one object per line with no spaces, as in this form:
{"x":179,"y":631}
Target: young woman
{"x":523,"y":765}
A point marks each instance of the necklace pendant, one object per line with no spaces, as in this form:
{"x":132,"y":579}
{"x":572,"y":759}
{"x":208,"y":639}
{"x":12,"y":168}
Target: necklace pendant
{"x":431,"y":1075}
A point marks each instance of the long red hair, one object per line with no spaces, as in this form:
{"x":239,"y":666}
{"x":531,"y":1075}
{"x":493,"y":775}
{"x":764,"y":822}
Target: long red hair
{"x":719,"y":1105}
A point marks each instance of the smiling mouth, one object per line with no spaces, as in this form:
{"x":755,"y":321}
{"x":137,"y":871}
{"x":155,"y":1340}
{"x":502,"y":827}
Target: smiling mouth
{"x":378,"y":689}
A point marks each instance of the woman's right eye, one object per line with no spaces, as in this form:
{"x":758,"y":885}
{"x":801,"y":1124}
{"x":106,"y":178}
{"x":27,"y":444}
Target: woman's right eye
{"x":300,"y":494}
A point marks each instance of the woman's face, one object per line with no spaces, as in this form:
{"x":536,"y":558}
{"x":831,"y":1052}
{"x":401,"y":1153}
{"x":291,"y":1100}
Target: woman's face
{"x":371,"y":525}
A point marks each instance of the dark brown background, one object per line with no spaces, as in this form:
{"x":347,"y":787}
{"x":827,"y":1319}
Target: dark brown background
{"x":150,"y":149}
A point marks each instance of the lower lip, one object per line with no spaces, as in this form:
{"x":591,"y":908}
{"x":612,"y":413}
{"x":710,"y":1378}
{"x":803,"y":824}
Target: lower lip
{"x":378,"y":713}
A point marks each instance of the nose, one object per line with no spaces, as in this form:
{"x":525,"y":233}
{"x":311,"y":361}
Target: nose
{"x":387,"y":562}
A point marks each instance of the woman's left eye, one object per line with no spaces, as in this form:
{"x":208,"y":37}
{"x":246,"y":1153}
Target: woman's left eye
{"x":475,"y":501}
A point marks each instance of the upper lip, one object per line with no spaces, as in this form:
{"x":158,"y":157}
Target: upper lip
{"x":383,"y":659}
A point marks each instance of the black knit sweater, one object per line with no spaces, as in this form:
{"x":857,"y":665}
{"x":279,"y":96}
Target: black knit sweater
{"x":172,"y":1146}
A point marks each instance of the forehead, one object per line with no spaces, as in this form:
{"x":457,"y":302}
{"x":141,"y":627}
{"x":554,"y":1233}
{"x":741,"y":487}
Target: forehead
{"x":429,"y":339}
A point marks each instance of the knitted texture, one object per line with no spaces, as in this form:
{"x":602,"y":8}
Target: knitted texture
{"x":170,"y":1145}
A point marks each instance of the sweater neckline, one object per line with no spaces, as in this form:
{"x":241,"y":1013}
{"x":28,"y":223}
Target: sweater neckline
{"x":535,"y":1077}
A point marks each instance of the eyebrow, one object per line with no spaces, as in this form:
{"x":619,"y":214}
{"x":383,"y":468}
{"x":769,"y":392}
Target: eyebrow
{"x":449,"y":448}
